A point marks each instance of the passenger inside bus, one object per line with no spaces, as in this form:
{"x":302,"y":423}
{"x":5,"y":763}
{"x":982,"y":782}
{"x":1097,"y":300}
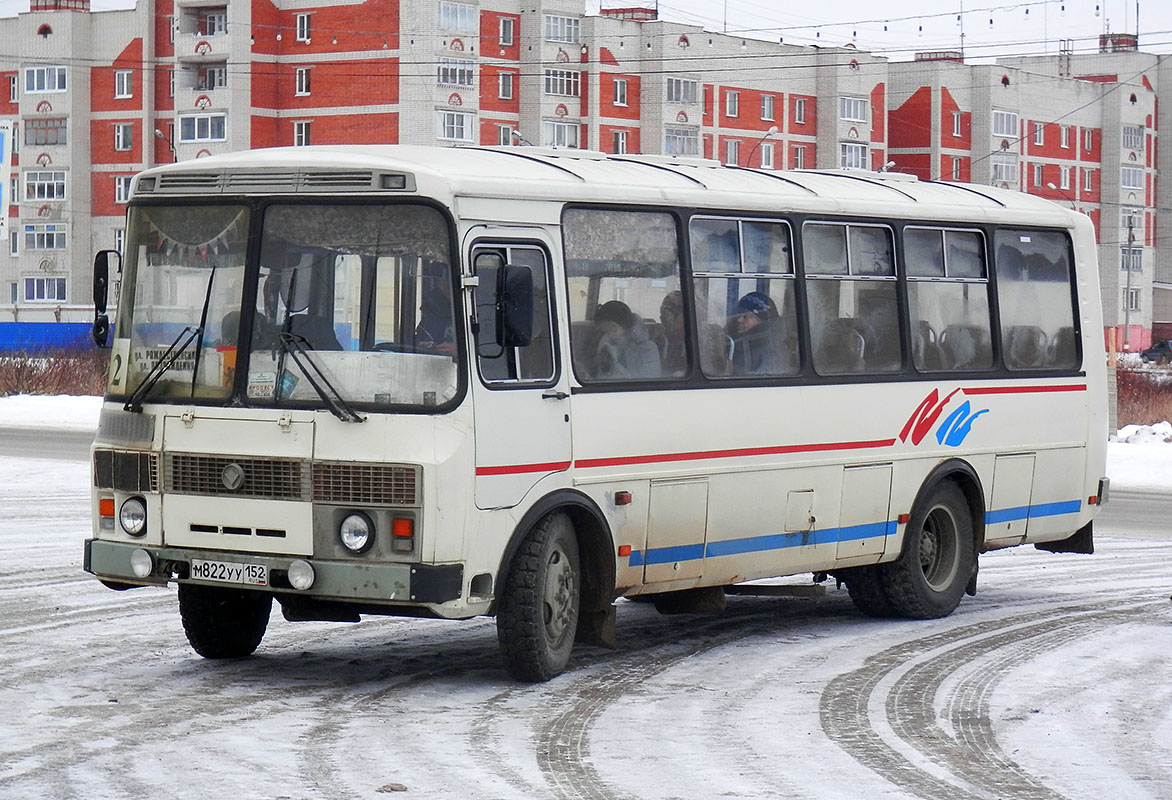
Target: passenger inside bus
{"x":757,"y":346}
{"x":625,"y":350}
{"x":671,"y":317}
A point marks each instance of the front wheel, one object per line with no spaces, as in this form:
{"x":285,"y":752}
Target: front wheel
{"x":938,"y":557}
{"x":221,"y":622}
{"x":537,"y":617}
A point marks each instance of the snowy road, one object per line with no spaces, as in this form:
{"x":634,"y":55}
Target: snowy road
{"x":1055,"y":681}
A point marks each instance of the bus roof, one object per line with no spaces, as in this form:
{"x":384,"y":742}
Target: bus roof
{"x":585,"y":176}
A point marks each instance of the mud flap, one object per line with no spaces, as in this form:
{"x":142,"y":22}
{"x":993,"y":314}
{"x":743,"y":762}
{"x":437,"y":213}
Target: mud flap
{"x":1081,"y":542}
{"x":971,"y":587}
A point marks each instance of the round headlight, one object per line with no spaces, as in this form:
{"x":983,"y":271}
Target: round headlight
{"x":141,"y":563}
{"x":132,"y":515}
{"x":300,"y":574}
{"x":356,"y":533}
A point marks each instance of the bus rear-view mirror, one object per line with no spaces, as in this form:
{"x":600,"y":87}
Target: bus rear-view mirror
{"x":101,"y":331}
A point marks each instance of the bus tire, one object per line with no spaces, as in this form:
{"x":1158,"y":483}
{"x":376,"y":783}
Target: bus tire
{"x":930,"y":576}
{"x":537,"y":616}
{"x":865,"y":587}
{"x":221,"y":622}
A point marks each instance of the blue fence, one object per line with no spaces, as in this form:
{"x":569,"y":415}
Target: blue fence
{"x":37,"y":336}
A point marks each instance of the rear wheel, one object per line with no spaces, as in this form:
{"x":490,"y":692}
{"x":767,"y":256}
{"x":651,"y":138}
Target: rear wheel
{"x":865,"y":587}
{"x":221,"y":622}
{"x":537,"y":618}
{"x":938,"y":557}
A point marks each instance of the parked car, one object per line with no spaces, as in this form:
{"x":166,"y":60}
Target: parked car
{"x":1160,"y":352}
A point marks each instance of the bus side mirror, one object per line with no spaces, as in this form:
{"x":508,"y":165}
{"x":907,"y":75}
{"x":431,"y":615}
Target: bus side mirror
{"x":514,"y":306}
{"x":101,"y":331}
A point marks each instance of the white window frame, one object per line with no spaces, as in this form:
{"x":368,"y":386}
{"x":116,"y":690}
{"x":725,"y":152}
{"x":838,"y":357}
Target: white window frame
{"x":620,"y":91}
{"x":956,"y":164}
{"x":1064,"y":141}
{"x":1136,"y":215}
{"x":455,"y":126}
{"x":768,"y":102}
{"x":563,"y":83}
{"x":458,"y":16}
{"x":120,"y":240}
{"x":170,"y":83}
{"x":1088,"y":139}
{"x":1039,"y":133}
{"x":14,"y":242}
{"x":1064,"y":177}
{"x":682,"y":91}
{"x":208,"y":124}
{"x":852,"y":109}
{"x":504,"y":135}
{"x":799,"y":156}
{"x":216,"y":23}
{"x":799,"y":111}
{"x":44,"y":185}
{"x":1087,"y":180}
{"x":122,"y":188}
{"x":732,"y":103}
{"x":459,"y":72}
{"x":506,"y":31}
{"x":681,"y":141}
{"x":1131,"y":259}
{"x":304,"y":27}
{"x":1131,"y":177}
{"x":1005,"y":168}
{"x":1133,"y":138}
{"x":732,"y":152}
{"x":123,"y":84}
{"x":45,"y":80}
{"x":1037,"y":174}
{"x":1131,"y":298}
{"x":46,"y":236}
{"x":766,"y":149}
{"x":123,"y":136}
{"x":212,"y":77}
{"x":619,"y":140}
{"x":45,"y":290}
{"x":1005,"y":123}
{"x":956,"y":123}
{"x":13,"y":89}
{"x":302,"y":81}
{"x":302,"y":133}
{"x":563,"y":29}
{"x":504,"y":85}
{"x":854,"y":155}
{"x":555,"y":133}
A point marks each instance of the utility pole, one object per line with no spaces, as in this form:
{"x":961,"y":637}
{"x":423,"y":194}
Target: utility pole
{"x":1127,"y":293}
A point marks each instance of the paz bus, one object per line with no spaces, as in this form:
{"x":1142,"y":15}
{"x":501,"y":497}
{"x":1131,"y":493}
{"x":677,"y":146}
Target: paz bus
{"x":525,"y":383}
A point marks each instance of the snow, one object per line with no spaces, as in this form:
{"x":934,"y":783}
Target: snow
{"x":1055,"y":680}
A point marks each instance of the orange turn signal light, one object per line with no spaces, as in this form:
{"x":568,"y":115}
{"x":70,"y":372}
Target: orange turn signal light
{"x":106,"y":507}
{"x":402,"y":528}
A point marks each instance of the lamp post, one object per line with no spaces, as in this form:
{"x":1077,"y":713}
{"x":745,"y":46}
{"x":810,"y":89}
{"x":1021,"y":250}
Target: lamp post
{"x":1127,"y":292}
{"x":1065,"y":194}
{"x":772,"y":130}
{"x":170,"y":144}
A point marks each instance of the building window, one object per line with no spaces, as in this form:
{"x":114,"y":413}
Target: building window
{"x":455,"y":126}
{"x":800,"y":157}
{"x":800,"y":111}
{"x":51,"y":289}
{"x":956,"y":123}
{"x":732,"y":104}
{"x":1064,"y":130}
{"x":852,"y":109}
{"x":119,"y":239}
{"x":303,"y":27}
{"x":214,"y":23}
{"x":302,"y":87}
{"x":1131,"y":217}
{"x":455,"y":72}
{"x":44,"y":131}
{"x":681,"y":142}
{"x":620,"y":91}
{"x":1131,"y":178}
{"x":122,"y":188}
{"x":123,"y":84}
{"x":1005,"y":169}
{"x":203,"y":128}
{"x":39,"y":80}
{"x":562,"y":29}
{"x":44,"y":185}
{"x":504,"y":135}
{"x":564,"y":83}
{"x":13,"y":87}
{"x":1132,"y":299}
{"x":216,"y":77}
{"x":619,"y":142}
{"x":1131,"y":259}
{"x":767,"y":107}
{"x":301,"y":134}
{"x":681,"y":91}
{"x":1087,"y":180}
{"x":767,"y":155}
{"x":732,"y":151}
{"x":1039,"y":133}
{"x":457,"y":16}
{"x":956,"y":162}
{"x":506,"y":31}
{"x":47,"y":236}
{"x":1064,"y":177}
{"x":853,"y":156}
{"x":1133,"y":137}
{"x":171,"y":26}
{"x":123,"y":135}
{"x":13,"y":249}
{"x":1004,"y":123}
{"x":1088,"y":139}
{"x":1037,"y":174}
{"x":170,"y":83}
{"x":505,"y":85}
{"x":560,"y":134}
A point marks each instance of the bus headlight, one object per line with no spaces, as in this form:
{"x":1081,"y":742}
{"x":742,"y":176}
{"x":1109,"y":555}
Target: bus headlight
{"x":141,"y":563}
{"x":300,"y":574}
{"x":132,"y":516}
{"x":356,"y":532}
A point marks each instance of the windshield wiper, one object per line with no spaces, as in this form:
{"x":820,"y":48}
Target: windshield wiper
{"x":294,"y":345}
{"x":160,"y":367}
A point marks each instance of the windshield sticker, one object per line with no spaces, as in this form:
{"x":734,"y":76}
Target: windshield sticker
{"x":261,"y":384}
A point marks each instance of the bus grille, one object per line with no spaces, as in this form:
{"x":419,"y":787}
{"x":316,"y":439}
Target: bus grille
{"x":126,"y":470}
{"x":365,"y":484}
{"x":271,"y":478}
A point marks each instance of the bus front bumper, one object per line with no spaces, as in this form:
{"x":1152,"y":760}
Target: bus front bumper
{"x":347,"y":581}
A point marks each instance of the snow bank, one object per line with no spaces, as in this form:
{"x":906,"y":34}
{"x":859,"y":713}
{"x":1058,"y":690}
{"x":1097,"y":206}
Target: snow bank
{"x":50,"y":411}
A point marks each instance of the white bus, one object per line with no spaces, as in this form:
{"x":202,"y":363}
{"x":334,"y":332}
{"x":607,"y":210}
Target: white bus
{"x":524,"y":383}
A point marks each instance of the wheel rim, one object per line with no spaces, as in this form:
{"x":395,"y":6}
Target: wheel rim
{"x":939,"y":548}
{"x":559,"y":595}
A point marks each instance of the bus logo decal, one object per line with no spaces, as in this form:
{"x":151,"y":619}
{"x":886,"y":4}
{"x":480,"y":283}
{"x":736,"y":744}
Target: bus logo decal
{"x":956,"y":425}
{"x":952,"y":432}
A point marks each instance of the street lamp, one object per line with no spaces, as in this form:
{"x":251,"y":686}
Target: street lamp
{"x":772,"y":130}
{"x":1065,"y":194}
{"x":170,"y":144}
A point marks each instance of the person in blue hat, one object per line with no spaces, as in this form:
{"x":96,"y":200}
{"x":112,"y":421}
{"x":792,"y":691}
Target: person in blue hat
{"x":756,"y":335}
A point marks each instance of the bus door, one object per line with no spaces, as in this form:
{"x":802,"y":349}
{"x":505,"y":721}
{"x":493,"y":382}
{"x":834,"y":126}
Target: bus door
{"x":521,"y":397}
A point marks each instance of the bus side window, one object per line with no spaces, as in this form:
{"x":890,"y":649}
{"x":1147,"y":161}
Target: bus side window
{"x":534,"y":362}
{"x":1035,"y":300}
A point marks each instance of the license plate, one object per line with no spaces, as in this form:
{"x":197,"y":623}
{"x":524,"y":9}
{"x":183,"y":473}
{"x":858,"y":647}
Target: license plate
{"x":230,"y":572}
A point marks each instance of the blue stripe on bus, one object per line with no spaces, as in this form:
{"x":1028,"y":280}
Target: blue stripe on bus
{"x":669,"y":555}
{"x":1031,"y":512}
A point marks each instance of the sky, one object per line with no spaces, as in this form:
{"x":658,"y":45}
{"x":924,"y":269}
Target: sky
{"x":898,"y":28}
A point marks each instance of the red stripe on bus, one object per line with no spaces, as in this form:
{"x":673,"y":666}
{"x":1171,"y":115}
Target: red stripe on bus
{"x":1026,"y":389}
{"x":519,"y":469}
{"x":587,"y":463}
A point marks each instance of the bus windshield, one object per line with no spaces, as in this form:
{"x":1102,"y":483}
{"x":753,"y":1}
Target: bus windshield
{"x":353,"y":305}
